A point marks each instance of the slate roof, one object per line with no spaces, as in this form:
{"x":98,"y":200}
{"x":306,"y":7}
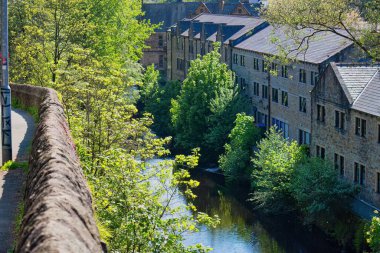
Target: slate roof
{"x":234,"y":26}
{"x":363,"y":85}
{"x":168,"y":13}
{"x":171,"y":13}
{"x":320,"y":49}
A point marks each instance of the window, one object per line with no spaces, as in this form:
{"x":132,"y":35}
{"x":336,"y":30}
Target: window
{"x":321,"y":113}
{"x":255,"y":64}
{"x":235,"y":59}
{"x":359,"y":173}
{"x":339,"y":163}
{"x":160,"y":41}
{"x":339,"y":120}
{"x":284,"y":98}
{"x":264,"y":92}
{"x":182,"y":43}
{"x":274,"y":66}
{"x":180,"y":64}
{"x":262,"y":118}
{"x":378,"y":183}
{"x":203,"y":50}
{"x":177,"y":44}
{"x":281,"y":126}
{"x":275,"y":95}
{"x":313,"y":78}
{"x":239,"y":11}
{"x":208,"y":47}
{"x":264,"y":67}
{"x":320,"y":152}
{"x":243,"y":85}
{"x":225,"y":54}
{"x":302,"y":104}
{"x":284,"y":71}
{"x":303,"y":137}
{"x":361,"y":127}
{"x":191,"y":47}
{"x":160,"y":61}
{"x":242,"y":60}
{"x":302,"y":77}
{"x":256,"y":88}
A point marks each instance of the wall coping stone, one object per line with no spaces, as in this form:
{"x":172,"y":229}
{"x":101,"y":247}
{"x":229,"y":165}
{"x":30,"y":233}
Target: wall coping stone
{"x":58,"y":206}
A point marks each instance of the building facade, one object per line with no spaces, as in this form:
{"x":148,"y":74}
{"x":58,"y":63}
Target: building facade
{"x":346,"y":124}
{"x":168,"y":14}
{"x":281,"y":99}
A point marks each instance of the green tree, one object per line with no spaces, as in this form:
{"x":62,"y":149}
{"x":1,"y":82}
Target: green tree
{"x":156,"y":99}
{"x":274,"y":166}
{"x":319,"y":192}
{"x":236,"y":161}
{"x":88,"y":51}
{"x":357,"y":21}
{"x":373,"y":233}
{"x":204,"y":112}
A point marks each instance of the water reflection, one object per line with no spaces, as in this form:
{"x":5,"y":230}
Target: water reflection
{"x":242,"y":231}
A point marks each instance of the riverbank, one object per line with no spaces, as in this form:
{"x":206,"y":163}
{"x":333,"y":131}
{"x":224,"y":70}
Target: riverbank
{"x":245,"y":231}
{"x":284,"y":229}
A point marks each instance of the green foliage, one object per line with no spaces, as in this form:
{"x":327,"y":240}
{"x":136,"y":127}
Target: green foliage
{"x":157,"y":100}
{"x":373,"y":233}
{"x":204,"y":112}
{"x":235,"y":162}
{"x":88,"y":51}
{"x":355,"y":20}
{"x":319,"y":192}
{"x":274,"y":166}
{"x":32,"y":110}
{"x":12,"y":165}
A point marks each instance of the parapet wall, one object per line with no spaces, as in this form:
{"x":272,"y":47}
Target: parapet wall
{"x":58,"y":204}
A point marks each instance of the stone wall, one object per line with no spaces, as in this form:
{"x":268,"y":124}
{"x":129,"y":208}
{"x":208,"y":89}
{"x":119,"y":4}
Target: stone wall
{"x":58,"y":204}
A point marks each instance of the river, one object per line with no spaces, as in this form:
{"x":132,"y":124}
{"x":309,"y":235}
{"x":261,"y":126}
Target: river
{"x":243,"y":231}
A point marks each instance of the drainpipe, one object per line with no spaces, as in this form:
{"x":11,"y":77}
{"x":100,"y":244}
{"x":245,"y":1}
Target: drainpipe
{"x":5,"y":91}
{"x":269,"y":98}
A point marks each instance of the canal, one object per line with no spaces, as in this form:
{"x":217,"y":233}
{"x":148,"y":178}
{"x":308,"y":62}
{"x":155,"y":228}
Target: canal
{"x":243,"y":231}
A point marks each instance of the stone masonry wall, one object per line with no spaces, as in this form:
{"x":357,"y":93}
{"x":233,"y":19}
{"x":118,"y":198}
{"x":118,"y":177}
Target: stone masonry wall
{"x":58,"y":205}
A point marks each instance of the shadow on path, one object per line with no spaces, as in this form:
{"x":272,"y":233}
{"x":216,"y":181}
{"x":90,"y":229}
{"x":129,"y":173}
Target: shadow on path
{"x":10,"y":195}
{"x":23,"y":128}
{"x":11,"y":182}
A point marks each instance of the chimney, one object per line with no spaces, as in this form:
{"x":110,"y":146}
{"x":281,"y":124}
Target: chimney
{"x":219,"y":33}
{"x":221,"y":6}
{"x":191,"y":30}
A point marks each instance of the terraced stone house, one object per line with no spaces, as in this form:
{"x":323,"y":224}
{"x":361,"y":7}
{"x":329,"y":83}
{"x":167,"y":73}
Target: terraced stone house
{"x":346,"y":124}
{"x":168,"y":14}
{"x":284,"y":99}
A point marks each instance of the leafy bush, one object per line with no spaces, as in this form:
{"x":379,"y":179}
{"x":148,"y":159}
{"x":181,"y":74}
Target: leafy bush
{"x":204,"y":112}
{"x":274,"y":166}
{"x":236,"y":161}
{"x":319,"y":191}
{"x":373,"y":233}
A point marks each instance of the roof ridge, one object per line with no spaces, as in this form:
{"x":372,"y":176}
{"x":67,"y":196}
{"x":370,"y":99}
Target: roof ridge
{"x":366,"y":86}
{"x":342,"y":83}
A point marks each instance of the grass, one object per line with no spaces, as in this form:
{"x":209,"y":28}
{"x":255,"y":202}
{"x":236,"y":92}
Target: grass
{"x":11,"y":165}
{"x":18,"y":222}
{"x":32,"y":110}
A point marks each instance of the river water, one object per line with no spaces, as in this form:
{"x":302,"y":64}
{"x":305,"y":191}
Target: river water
{"x":243,"y":231}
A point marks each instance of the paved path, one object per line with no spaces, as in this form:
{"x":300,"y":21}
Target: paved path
{"x":11,"y":181}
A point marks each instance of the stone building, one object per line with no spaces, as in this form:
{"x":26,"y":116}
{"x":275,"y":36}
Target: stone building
{"x":282,"y":100}
{"x":168,"y":14}
{"x":346,"y":124}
